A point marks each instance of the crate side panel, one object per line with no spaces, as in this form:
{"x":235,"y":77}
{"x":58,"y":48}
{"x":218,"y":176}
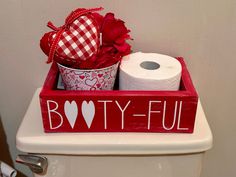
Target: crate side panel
{"x":119,"y":114}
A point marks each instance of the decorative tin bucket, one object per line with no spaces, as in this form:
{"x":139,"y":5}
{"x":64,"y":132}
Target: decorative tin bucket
{"x":94,"y":79}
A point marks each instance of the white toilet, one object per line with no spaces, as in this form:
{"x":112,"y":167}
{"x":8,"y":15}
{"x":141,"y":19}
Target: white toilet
{"x":111,"y":154}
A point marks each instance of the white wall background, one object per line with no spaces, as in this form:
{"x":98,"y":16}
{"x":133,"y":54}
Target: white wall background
{"x":203,"y":31}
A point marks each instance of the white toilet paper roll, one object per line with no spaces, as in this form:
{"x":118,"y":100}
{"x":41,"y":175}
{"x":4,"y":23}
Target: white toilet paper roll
{"x":6,"y":170}
{"x":149,"y":71}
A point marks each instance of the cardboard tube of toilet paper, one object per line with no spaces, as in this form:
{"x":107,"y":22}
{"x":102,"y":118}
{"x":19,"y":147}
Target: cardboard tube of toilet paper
{"x":149,"y":71}
{"x":6,"y":170}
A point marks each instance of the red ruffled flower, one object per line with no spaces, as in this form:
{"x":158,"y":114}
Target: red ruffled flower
{"x":113,"y":47}
{"x":115,"y":34}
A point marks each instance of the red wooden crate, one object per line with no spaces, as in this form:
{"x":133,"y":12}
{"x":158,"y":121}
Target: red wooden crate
{"x":118,"y":111}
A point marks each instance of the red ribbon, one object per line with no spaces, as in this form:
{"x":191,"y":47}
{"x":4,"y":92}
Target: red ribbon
{"x":59,"y":30}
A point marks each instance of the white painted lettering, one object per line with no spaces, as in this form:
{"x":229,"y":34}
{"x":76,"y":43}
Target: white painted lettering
{"x":150,"y":111}
{"x":179,"y":118}
{"x":53,"y":110}
{"x":105,"y":110}
{"x":122,"y":112}
{"x":164,"y":116}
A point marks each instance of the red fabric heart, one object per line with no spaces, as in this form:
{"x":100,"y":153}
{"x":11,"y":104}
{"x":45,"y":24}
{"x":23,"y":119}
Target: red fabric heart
{"x":76,"y":41}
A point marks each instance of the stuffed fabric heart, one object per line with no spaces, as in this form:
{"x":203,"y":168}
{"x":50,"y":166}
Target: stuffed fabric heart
{"x":76,"y":41}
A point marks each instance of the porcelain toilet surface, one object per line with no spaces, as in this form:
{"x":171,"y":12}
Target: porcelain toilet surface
{"x":115,"y":154}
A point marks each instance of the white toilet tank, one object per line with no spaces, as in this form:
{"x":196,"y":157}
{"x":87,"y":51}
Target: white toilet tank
{"x":114,"y":154}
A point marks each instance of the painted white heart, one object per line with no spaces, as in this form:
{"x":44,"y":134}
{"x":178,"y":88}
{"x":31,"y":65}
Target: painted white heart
{"x":88,"y":111}
{"x":71,"y":111}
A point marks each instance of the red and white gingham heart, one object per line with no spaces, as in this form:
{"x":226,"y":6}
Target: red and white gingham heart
{"x":80,"y":41}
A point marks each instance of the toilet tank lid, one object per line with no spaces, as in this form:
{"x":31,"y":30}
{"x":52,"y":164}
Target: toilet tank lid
{"x":31,"y":138}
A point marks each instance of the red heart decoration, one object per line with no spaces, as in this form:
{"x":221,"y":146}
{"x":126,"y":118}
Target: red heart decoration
{"x":82,"y":77}
{"x":100,"y":75}
{"x":98,"y":85}
{"x":78,"y":39}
